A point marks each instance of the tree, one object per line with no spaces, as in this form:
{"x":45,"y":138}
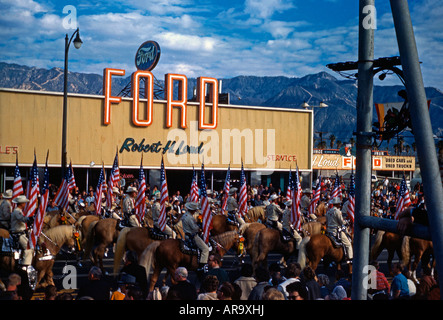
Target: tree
{"x":332,"y":140}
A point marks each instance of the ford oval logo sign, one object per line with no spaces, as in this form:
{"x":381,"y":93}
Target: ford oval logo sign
{"x":147,"y":56}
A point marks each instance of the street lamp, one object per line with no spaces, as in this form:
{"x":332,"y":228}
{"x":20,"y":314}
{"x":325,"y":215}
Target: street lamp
{"x":77,"y":44}
{"x":307,"y":105}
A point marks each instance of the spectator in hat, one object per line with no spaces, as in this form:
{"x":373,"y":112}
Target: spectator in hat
{"x":6,"y":210}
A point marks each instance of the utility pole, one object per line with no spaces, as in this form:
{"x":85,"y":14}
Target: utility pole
{"x":363,"y":149}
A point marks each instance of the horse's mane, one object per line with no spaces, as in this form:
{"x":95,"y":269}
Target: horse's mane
{"x":225,"y":238}
{"x":59,"y":234}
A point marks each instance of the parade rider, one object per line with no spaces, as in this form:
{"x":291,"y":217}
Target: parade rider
{"x":232,"y":207}
{"x":287,"y":225}
{"x":156,"y":209}
{"x":191,"y":230}
{"x":129,"y":207}
{"x":273,"y":213}
{"x":335,"y":225}
{"x":19,"y":229}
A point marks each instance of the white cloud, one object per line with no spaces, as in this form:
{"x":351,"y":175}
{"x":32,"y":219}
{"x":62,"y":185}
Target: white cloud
{"x":266,"y":8}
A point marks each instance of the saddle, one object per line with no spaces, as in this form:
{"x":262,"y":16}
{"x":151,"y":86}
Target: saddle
{"x":189,"y":247}
{"x":286,"y":236}
{"x":335,"y":239}
{"x":8,"y":246}
{"x":156,"y":234}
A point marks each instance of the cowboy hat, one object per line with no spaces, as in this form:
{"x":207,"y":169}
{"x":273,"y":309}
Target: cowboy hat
{"x":7,"y":194}
{"x":307,"y":190}
{"x":192,"y":206}
{"x":288,"y":203}
{"x":20,"y":199}
{"x":336,"y":200}
{"x":232,"y":191}
{"x":131,"y":189}
{"x":115,"y":190}
{"x":273,"y":197}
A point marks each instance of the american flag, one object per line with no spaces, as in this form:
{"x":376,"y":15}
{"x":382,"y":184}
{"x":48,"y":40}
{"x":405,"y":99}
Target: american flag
{"x":114,"y":178}
{"x":62,"y":196}
{"x":205,"y":207}
{"x":32,"y":191}
{"x":288,"y":190}
{"x":194,"y":187}
{"x":226,"y":188}
{"x":351,"y":200}
{"x":17,"y":189}
{"x":316,"y":196}
{"x":295,"y":208}
{"x":99,"y":191}
{"x":163,"y":198}
{"x":404,"y":200}
{"x":38,"y":221}
{"x":337,"y":188}
{"x":140,"y":200}
{"x":242,"y":201}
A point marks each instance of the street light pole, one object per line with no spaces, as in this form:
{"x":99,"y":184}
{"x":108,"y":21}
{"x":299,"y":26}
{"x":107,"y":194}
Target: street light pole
{"x":77,"y":44}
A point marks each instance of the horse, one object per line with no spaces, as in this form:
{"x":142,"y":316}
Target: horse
{"x":52,"y":240}
{"x":57,"y":218}
{"x":221,"y":225}
{"x":255,"y":214}
{"x":392,"y":242}
{"x":167,"y":254}
{"x":267,"y":240}
{"x":317,"y":247}
{"x":321,"y":209}
{"x":421,"y":249}
{"x":101,"y":234}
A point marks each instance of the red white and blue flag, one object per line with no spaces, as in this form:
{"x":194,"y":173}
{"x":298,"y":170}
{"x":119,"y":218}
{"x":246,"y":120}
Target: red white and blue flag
{"x":351,"y":200}
{"x":68,"y":183}
{"x":99,"y":191}
{"x":38,"y":221}
{"x":295,"y":207}
{"x":336,"y":192}
{"x":32,"y":191}
{"x":288,"y":190}
{"x":316,"y":196}
{"x":163,"y":198}
{"x":404,"y":201}
{"x":17,"y":189}
{"x":140,"y":200}
{"x":194,"y":187}
{"x":226,"y":189}
{"x":205,"y":208}
{"x":242,"y":195}
{"x":114,"y":178}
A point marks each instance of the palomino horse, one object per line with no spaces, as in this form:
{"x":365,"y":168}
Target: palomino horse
{"x":321,"y":209}
{"x":392,"y":242}
{"x":317,"y":247}
{"x":53,"y":240}
{"x":167,"y":254}
{"x":422,"y":250}
{"x":57,"y":218}
{"x":101,"y":234}
{"x":255,"y":214}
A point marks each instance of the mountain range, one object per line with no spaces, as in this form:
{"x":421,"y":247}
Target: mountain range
{"x":338,"y":119}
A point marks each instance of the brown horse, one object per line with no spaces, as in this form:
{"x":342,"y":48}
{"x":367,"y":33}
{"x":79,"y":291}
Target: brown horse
{"x":167,"y":254}
{"x":134,"y":239}
{"x":267,"y":240}
{"x":321,"y":209}
{"x":392,"y":242}
{"x":57,"y":218}
{"x":422,"y":250}
{"x":101,"y":234}
{"x":317,"y":247}
{"x":53,"y":240}
{"x":221,"y":225}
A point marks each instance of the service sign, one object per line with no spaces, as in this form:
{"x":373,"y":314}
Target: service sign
{"x":147,"y":56}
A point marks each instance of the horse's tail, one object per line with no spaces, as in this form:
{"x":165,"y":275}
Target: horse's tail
{"x":255,"y":250}
{"x":120,"y":247}
{"x":147,"y":258}
{"x":405,"y":250}
{"x":302,"y":251}
{"x":377,"y":243}
{"x":89,"y":239}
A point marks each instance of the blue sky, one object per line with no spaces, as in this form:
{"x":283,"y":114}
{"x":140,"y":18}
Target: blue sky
{"x":221,"y":39}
